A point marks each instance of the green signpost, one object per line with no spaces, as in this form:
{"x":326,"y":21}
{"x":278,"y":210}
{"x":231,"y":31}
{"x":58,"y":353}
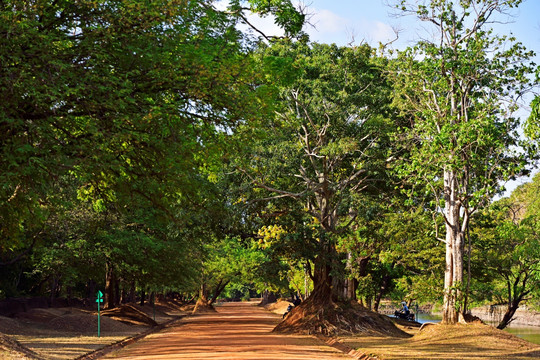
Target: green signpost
{"x":99,"y":300}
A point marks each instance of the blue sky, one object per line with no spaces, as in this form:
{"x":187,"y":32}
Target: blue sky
{"x":339,"y":21}
{"x":369,"y":20}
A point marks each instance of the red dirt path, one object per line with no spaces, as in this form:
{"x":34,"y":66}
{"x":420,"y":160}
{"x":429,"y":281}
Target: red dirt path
{"x":239,"y":331}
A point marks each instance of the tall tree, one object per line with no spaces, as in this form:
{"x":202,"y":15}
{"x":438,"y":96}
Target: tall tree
{"x":460,"y":90}
{"x":327,"y":144}
{"x":330,"y":127}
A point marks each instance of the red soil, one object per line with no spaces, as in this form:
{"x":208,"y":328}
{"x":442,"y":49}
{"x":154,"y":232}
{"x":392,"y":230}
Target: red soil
{"x":239,"y":331}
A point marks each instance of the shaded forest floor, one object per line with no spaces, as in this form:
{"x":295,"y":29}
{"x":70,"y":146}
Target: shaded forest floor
{"x":68,"y":333}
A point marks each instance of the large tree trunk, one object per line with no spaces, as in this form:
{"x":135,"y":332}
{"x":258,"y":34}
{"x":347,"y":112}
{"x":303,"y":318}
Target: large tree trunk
{"x":203,"y":304}
{"x":322,"y":285}
{"x":508,"y":315}
{"x":382,"y":290}
{"x":324,"y":312}
{"x":268,"y":298}
{"x":453,"y":274}
{"x":110,"y":282}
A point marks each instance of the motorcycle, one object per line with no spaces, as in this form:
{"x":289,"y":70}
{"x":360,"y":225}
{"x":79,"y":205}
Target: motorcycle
{"x":402,"y":315}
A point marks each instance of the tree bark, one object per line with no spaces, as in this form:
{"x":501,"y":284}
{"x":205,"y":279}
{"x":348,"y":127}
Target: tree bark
{"x":382,"y":290}
{"x":268,"y":298}
{"x":516,"y":293}
{"x":132,"y":292}
{"x":110,"y":282}
{"x":322,"y":284}
{"x":143,"y":297}
{"x":117,"y":294}
{"x":453,"y":274}
{"x":203,"y":304}
{"x":218,"y":290}
{"x":509,"y":314}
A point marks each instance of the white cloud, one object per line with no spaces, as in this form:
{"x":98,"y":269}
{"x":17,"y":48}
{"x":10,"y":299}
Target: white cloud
{"x":221,"y":4}
{"x":333,"y":28}
{"x":380,"y":32}
{"x":326,"y":21}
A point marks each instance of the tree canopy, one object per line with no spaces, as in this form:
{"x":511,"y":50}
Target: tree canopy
{"x":155,"y":147}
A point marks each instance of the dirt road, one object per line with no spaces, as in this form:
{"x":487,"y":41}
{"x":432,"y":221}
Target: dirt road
{"x":239,"y":331}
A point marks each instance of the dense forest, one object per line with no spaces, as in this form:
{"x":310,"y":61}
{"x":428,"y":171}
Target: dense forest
{"x":154,"y":148}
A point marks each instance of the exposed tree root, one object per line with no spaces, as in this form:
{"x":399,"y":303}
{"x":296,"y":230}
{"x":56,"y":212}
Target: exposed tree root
{"x":203,"y":306}
{"x":268,"y":298}
{"x":469,"y":319}
{"x":332,"y":319}
{"x":129,"y":314}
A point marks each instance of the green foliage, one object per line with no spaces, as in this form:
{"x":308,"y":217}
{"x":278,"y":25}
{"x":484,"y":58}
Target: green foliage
{"x":82,"y":244}
{"x":128,"y":105}
{"x":83,"y":92}
{"x":286,"y":15}
{"x":532,"y":129}
{"x":237,"y":291}
{"x":508,"y":255}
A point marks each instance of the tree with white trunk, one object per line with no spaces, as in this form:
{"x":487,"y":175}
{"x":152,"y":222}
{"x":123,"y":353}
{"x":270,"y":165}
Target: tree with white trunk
{"x":459,"y":90}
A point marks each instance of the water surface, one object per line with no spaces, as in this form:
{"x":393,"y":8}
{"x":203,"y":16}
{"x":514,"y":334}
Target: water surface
{"x":425,"y":318}
{"x":529,"y":333}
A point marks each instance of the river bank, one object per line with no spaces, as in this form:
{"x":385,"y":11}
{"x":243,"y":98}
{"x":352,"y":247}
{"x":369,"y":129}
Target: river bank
{"x":494,"y":314}
{"x":526,"y":324}
{"x":491,"y":314}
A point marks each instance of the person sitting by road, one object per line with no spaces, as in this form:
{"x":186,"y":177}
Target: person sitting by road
{"x":295,"y":303}
{"x":289,"y":308}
